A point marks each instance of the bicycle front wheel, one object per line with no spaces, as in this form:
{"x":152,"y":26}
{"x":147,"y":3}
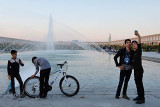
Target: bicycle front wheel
{"x":32,"y":87}
{"x":69,"y":86}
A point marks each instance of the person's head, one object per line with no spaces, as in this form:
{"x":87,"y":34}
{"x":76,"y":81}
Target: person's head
{"x":127,"y":43}
{"x":14,"y":54}
{"x":134,"y":45}
{"x":33,"y":59}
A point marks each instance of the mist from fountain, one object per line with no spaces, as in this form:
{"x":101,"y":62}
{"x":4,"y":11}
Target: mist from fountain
{"x":83,"y":44}
{"x":29,"y":69}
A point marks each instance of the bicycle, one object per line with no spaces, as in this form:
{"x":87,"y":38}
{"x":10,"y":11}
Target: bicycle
{"x":68,"y":84}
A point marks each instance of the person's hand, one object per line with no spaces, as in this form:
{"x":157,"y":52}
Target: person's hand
{"x":22,"y":64}
{"x":32,"y":76}
{"x":137,"y":34}
{"x":9,"y":77}
{"x":121,"y":67}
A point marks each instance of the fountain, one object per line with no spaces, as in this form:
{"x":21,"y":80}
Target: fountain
{"x":50,"y":36}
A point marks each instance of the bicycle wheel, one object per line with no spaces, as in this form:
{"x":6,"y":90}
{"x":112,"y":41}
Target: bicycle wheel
{"x":32,"y":87}
{"x":69,"y":86}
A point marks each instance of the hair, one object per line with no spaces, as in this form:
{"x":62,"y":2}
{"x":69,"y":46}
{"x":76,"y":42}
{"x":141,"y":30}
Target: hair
{"x":13,"y":51}
{"x":135,"y":42}
{"x":127,"y":40}
{"x":33,"y":59}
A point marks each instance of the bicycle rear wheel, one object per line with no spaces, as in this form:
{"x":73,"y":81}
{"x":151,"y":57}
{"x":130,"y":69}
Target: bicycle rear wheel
{"x":69,"y":86}
{"x":32,"y":87}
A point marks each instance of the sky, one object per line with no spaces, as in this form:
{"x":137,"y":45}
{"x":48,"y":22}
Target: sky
{"x":85,"y":20}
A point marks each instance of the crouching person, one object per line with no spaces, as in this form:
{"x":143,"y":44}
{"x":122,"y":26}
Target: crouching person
{"x":45,"y":69}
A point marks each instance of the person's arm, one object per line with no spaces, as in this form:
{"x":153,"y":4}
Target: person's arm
{"x":9,"y":70}
{"x":21,"y":63}
{"x":115,"y":59}
{"x":139,"y":41}
{"x":139,"y":37}
{"x":131,"y":58}
{"x":34,"y":74}
{"x":37,"y":70}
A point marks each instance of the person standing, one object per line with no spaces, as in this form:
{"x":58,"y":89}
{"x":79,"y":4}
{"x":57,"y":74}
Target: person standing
{"x":125,"y":65}
{"x":13,"y":72}
{"x":138,"y":69}
{"x":44,"y":74}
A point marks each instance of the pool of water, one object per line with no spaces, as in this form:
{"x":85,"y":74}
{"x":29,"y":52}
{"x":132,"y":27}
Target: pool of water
{"x":95,"y":71}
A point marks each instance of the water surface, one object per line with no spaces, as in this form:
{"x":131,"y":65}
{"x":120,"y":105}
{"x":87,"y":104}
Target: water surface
{"x":95,"y":71}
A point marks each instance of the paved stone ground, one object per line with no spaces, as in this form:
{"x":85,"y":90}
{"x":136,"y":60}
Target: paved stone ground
{"x":81,"y":100}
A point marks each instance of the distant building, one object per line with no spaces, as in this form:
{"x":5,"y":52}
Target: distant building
{"x":75,"y":41}
{"x":7,"y":44}
{"x":148,"y":40}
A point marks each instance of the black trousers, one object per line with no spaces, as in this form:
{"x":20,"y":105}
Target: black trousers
{"x":44,"y":78}
{"x":138,"y":76}
{"x":124,"y":77}
{"x":18,"y":77}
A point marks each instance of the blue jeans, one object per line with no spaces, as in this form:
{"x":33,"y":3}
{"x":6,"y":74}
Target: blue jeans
{"x":9,"y":88}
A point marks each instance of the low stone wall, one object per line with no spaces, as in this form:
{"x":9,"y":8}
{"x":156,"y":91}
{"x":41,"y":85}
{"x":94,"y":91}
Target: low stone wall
{"x":153,"y":59}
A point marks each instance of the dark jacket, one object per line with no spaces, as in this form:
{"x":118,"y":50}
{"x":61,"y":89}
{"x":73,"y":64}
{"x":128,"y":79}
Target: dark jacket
{"x":121,"y":53}
{"x":137,"y":58}
{"x":13,"y":66}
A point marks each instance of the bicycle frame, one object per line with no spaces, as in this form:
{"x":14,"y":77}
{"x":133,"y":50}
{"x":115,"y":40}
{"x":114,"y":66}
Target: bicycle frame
{"x":59,"y":72}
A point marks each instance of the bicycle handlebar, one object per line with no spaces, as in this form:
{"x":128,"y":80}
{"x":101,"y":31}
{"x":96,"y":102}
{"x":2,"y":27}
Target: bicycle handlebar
{"x":61,"y":65}
{"x":65,"y":62}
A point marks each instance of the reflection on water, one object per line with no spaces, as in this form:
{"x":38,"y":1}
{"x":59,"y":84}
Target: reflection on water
{"x":95,"y":71}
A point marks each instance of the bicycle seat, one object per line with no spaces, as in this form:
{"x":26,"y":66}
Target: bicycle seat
{"x":60,"y":65}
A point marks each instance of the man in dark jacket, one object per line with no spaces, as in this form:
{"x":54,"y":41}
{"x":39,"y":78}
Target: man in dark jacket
{"x":125,"y":65}
{"x":138,"y":69}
